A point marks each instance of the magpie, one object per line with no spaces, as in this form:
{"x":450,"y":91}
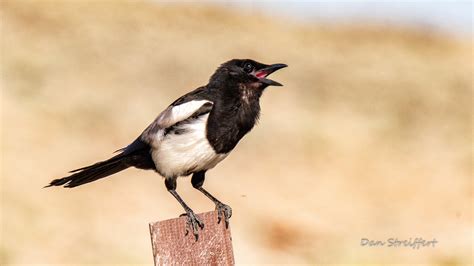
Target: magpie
{"x":193,"y":134}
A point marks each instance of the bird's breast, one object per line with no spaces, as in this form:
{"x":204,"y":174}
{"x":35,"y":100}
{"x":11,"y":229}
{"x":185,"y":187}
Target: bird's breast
{"x":227,"y":126}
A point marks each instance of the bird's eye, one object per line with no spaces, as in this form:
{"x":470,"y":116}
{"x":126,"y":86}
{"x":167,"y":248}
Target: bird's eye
{"x":248,"y":67}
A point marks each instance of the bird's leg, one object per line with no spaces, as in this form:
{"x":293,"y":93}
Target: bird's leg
{"x":223,"y":210}
{"x":192,"y":222}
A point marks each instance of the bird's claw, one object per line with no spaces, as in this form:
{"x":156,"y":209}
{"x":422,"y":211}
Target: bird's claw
{"x":192,"y":223}
{"x":223,"y":211}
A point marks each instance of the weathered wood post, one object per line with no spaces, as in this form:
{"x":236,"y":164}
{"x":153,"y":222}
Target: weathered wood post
{"x":172,"y":247}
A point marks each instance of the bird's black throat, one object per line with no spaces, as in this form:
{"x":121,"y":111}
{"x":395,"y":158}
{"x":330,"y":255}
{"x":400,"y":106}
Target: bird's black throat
{"x":234,"y":115}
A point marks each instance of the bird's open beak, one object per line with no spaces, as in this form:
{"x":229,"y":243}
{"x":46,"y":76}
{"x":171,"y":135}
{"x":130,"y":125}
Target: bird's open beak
{"x":261,"y":74}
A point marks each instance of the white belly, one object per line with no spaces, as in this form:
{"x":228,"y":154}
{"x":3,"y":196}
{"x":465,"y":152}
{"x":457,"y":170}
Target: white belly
{"x":180,"y":154}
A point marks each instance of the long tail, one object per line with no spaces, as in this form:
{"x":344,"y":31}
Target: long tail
{"x":136,"y":154}
{"x":93,"y":172}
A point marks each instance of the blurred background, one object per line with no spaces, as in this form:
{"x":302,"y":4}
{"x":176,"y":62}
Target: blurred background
{"x":371,"y":136}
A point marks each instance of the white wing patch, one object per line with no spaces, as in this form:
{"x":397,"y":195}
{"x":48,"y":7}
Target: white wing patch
{"x":154,"y":134}
{"x":174,"y":114}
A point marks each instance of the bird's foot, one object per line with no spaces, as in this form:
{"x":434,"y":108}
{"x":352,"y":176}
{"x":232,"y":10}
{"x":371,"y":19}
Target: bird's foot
{"x":192,"y":223}
{"x":223,"y":211}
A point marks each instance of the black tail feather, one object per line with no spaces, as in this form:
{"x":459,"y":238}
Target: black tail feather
{"x":136,"y":154}
{"x":99,"y":164}
{"x":93,"y":172}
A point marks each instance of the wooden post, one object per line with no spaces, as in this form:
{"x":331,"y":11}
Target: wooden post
{"x":172,"y":247}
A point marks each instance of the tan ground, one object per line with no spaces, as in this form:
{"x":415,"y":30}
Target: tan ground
{"x":369,"y":138}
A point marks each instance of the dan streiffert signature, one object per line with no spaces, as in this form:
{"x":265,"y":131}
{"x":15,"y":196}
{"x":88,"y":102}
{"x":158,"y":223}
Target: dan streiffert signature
{"x":414,"y":243}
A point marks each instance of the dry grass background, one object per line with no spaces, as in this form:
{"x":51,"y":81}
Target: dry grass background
{"x":369,"y":137}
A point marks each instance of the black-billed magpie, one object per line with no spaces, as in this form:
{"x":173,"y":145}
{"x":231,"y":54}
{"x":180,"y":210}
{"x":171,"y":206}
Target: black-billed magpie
{"x":193,"y":134}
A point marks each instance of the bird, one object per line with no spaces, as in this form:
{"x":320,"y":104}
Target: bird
{"x":192,"y":135}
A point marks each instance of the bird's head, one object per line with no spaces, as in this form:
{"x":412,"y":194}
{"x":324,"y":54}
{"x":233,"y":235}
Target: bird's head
{"x":246,"y":72}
